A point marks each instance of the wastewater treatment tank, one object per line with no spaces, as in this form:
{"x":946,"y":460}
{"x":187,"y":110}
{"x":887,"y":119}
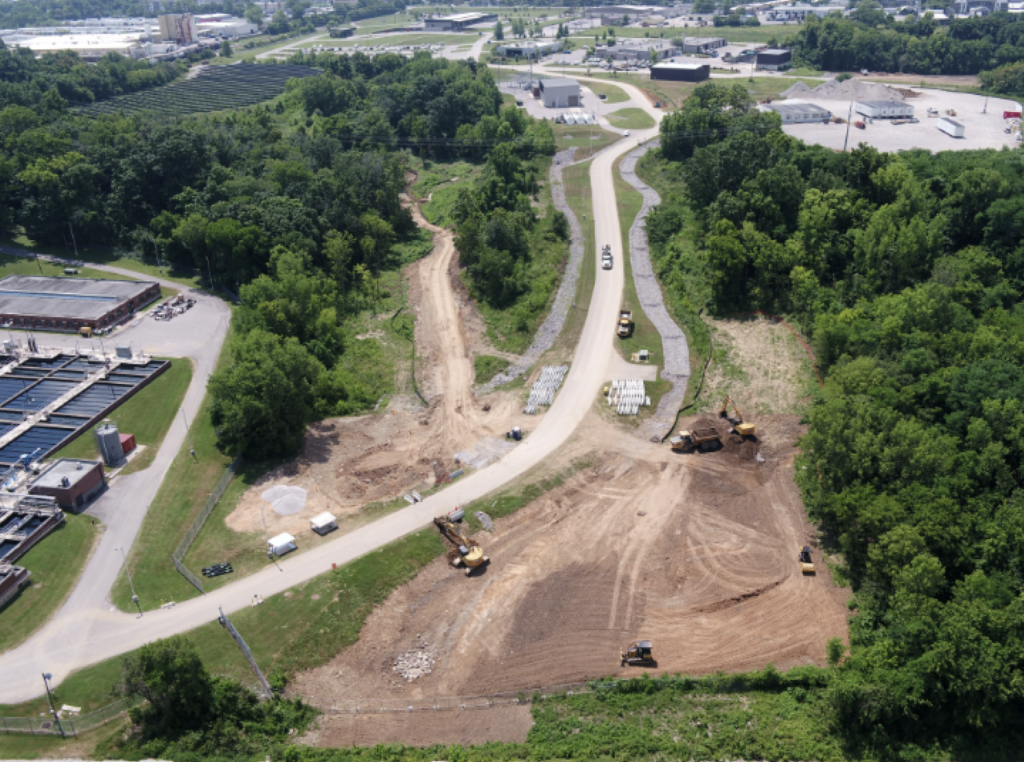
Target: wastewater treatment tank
{"x":109,"y":441}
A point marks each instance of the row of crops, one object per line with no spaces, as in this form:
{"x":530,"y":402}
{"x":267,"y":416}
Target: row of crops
{"x":215,"y":88}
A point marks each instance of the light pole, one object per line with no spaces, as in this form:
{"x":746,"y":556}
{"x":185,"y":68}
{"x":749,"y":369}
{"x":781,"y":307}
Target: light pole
{"x":47,"y":677}
{"x":135,"y":598}
{"x":188,"y":432}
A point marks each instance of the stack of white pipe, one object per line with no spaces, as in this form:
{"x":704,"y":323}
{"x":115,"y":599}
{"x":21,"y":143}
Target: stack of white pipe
{"x":628,"y":396}
{"x":543,"y":390}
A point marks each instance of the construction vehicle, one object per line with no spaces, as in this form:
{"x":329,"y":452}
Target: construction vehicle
{"x":700,"y":439}
{"x":933,"y":112}
{"x":465,"y":552}
{"x":736,"y":419}
{"x":859,"y":125}
{"x":951,"y":112}
{"x":640,"y":652}
{"x":85,"y":332}
{"x":625,"y":323}
{"x":806,"y":565}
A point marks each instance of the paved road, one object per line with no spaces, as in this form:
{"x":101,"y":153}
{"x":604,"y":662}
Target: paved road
{"x":88,"y":629}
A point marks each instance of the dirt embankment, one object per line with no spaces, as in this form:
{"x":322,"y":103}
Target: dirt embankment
{"x":695,"y":552}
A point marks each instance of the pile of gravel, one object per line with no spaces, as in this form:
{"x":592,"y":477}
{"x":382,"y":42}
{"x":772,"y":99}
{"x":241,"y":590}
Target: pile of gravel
{"x":285,"y":500}
{"x":850,"y":90}
{"x":553,"y":323}
{"x":677,"y":352}
{"x":415,"y":663}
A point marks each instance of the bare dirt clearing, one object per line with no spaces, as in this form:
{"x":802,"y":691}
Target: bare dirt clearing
{"x":349,"y":462}
{"x":759,"y":363}
{"x":696,"y":552}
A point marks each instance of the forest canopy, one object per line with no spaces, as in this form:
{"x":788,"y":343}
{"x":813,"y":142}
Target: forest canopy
{"x":906,"y":270}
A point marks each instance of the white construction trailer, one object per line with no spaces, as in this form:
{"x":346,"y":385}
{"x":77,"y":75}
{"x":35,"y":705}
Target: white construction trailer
{"x":884,"y":109}
{"x":951,"y":128}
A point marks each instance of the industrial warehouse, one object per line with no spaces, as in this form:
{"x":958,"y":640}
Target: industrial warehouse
{"x":798,"y":112}
{"x":70,"y":304}
{"x":681,"y":72}
{"x":458,"y":22}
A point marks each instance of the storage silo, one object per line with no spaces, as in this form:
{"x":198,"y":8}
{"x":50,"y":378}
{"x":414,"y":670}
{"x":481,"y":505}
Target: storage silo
{"x":109,"y":440}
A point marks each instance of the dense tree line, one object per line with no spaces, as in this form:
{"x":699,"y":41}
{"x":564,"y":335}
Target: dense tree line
{"x":907,"y":271}
{"x":869,"y":39}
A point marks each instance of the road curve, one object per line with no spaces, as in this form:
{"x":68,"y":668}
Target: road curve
{"x":93,"y":630}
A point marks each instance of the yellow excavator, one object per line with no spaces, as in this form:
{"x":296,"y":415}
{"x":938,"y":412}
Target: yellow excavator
{"x":640,"y":652}
{"x":736,"y":419}
{"x":464,"y":551}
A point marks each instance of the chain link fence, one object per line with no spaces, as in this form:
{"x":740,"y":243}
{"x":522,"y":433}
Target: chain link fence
{"x":72,"y":726}
{"x":197,"y":525}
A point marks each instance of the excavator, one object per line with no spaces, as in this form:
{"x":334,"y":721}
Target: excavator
{"x":465,"y":552}
{"x":736,"y":419}
{"x":640,"y":652}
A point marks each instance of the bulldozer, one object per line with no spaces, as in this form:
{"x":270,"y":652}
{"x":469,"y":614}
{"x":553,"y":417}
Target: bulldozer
{"x":640,"y":652}
{"x":464,"y":551}
{"x":736,"y":419}
{"x":698,"y":439}
{"x":806,"y":564}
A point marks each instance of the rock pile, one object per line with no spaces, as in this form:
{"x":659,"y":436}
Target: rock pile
{"x":414,"y":664}
{"x":850,"y":90}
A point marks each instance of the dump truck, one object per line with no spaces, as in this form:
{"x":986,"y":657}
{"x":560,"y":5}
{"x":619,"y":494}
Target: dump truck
{"x":806,"y":564}
{"x":625,"y":322}
{"x":639,"y":652}
{"x":698,"y":439}
{"x":736,"y":419}
{"x":464,"y":551}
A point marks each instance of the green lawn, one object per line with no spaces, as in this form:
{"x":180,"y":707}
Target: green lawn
{"x":486,"y":367}
{"x":576,"y":180}
{"x":588,"y":139}
{"x":397,"y":40}
{"x":613,"y":94}
{"x":148,"y":415}
{"x":631,"y":119}
{"x":55,"y":564}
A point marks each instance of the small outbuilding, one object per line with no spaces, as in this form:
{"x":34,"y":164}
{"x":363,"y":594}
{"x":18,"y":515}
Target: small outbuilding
{"x":283,"y":543}
{"x":681,"y":72}
{"x":70,"y":481}
{"x":774,"y":59}
{"x":560,"y":93}
{"x":884,"y":109}
{"x":798,"y":112}
{"x":323,"y":523}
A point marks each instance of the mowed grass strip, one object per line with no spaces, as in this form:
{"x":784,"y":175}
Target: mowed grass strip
{"x":56,"y":563}
{"x":612,"y":93}
{"x":588,"y":139}
{"x":631,"y":119}
{"x":148,"y":415}
{"x":576,"y":180}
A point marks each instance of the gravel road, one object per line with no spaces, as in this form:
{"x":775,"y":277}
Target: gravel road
{"x":553,"y":323}
{"x":677,"y":352}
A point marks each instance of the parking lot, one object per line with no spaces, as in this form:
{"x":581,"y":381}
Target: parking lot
{"x":983,"y":125}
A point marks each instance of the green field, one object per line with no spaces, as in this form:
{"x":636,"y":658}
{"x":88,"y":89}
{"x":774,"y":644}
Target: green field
{"x":631,"y":119}
{"x":148,"y":415}
{"x":587,"y":139}
{"x":578,"y":194}
{"x":396,"y":40}
{"x":55,"y":564}
{"x":612,"y":93}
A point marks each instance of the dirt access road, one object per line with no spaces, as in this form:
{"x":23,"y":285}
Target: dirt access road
{"x":696,"y":552}
{"x":94,"y":633}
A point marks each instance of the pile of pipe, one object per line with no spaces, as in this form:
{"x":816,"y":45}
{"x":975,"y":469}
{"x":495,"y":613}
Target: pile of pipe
{"x":543,"y":390}
{"x":628,"y":396}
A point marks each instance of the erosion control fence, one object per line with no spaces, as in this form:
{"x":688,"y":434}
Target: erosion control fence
{"x":72,"y":726}
{"x":197,"y":526}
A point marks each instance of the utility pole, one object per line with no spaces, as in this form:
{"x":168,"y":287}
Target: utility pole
{"x":135,"y":598}
{"x":47,"y":677}
{"x":188,"y":432}
{"x":848,"y":118}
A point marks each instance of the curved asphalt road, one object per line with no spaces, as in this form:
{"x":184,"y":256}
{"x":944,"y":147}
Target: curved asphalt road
{"x":88,"y":629}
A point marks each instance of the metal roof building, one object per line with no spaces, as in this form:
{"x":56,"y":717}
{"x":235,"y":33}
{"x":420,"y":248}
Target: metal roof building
{"x":457,"y":22}
{"x":681,"y":72}
{"x":560,"y":93}
{"x":798,"y":112}
{"x":67,"y":304}
{"x":883,"y":109}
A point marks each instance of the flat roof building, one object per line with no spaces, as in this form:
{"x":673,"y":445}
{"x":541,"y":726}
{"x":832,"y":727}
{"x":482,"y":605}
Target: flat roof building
{"x":798,"y":112}
{"x":883,"y":109}
{"x":702,"y":44}
{"x":68,"y":304}
{"x":681,"y":72}
{"x":527,"y":49}
{"x":637,"y":51}
{"x":72,"y":482}
{"x":774,"y":59}
{"x":90,"y":47}
{"x":560,"y":93}
{"x":457,"y":22}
